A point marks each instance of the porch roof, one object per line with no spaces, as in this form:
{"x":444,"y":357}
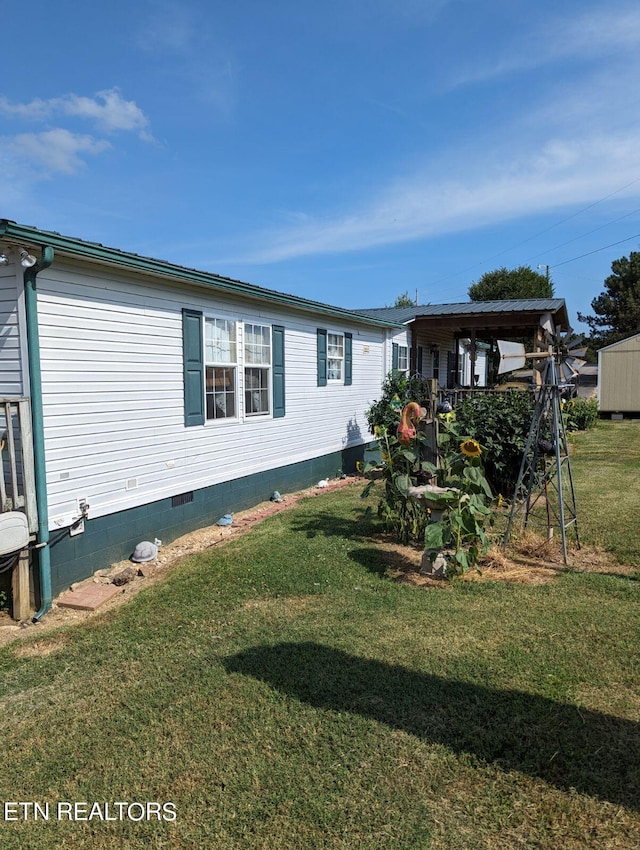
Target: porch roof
{"x":485,"y":319}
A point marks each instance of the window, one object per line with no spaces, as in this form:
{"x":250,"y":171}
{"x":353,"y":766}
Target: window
{"x":403,"y":358}
{"x":217,"y":368}
{"x":221,"y":366}
{"x":257,"y":368}
{"x":435,"y":354}
{"x":335,"y":357}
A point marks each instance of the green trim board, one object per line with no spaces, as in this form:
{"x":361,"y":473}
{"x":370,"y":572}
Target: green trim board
{"x":112,"y":538}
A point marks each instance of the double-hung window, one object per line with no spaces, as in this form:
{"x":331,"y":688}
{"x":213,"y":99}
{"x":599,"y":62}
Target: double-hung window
{"x":221,"y":368}
{"x":257,"y":369}
{"x":403,"y":358}
{"x":335,"y":357}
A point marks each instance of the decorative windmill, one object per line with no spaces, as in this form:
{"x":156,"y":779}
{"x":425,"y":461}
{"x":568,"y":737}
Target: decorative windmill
{"x":544,"y":491}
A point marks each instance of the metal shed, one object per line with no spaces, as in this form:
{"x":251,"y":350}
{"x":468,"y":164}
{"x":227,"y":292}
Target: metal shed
{"x":619,"y":376}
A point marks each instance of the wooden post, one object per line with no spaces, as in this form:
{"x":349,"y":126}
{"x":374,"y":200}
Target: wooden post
{"x":20,"y":587}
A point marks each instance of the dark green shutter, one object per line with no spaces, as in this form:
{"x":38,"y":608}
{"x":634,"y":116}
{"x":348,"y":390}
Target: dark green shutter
{"x":395,"y":356}
{"x":193,"y":364}
{"x":348,"y":359}
{"x":277,"y":341}
{"x":322,"y":357}
{"x":419,"y":369}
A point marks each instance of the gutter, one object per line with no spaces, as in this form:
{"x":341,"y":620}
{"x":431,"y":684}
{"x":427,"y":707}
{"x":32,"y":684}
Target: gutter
{"x":35,"y":382}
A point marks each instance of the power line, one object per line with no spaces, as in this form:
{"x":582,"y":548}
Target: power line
{"x":546,"y":230}
{"x":595,"y":230}
{"x":588,"y":254}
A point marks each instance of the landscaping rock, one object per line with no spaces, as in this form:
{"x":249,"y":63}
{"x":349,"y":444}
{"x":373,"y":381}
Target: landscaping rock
{"x":124,"y":577}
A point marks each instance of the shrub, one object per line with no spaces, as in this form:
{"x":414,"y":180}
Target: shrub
{"x":580,"y":414}
{"x":500,"y":422}
{"x":397,"y":391}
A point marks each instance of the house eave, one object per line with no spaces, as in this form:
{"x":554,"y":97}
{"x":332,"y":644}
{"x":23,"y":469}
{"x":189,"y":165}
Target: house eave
{"x":34,"y":238}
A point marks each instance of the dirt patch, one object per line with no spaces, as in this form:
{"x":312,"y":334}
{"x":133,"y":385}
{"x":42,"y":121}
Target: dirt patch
{"x":153,"y":571}
{"x":530,"y":560}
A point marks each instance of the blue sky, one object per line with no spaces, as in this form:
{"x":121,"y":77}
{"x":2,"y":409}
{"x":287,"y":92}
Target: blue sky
{"x":345,"y":151}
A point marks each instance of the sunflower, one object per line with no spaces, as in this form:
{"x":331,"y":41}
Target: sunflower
{"x":470,"y":448}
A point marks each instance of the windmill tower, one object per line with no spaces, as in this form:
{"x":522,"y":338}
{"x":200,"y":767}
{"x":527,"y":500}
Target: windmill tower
{"x":544,"y":494}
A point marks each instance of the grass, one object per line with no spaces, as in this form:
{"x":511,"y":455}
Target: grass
{"x":607,"y":470}
{"x":284,"y":694}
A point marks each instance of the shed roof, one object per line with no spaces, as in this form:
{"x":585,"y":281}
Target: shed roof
{"x":33,"y":238}
{"x":620,"y":342}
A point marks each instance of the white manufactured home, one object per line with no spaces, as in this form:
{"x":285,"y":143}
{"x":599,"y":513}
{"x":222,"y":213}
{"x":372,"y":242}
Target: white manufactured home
{"x":163,"y":397}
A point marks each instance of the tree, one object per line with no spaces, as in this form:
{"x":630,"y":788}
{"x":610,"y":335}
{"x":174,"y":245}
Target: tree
{"x":617,"y":309}
{"x":404,"y":300}
{"x":504,"y":283}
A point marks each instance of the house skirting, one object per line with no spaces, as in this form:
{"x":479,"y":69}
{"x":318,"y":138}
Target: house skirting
{"x":112,"y":538}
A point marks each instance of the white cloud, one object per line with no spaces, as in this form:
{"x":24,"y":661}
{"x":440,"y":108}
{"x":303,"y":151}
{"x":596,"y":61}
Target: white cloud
{"x":54,"y":151}
{"x":613,"y":30}
{"x":107,"y":109}
{"x":564,"y":171}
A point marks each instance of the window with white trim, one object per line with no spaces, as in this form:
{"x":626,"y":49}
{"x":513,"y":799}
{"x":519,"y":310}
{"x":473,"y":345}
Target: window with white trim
{"x":335,"y":357}
{"x":221,"y":368}
{"x":403,"y":358}
{"x":257,"y":369}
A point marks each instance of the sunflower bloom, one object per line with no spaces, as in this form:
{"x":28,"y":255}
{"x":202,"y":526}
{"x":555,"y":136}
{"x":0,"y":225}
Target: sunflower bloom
{"x":471,"y":448}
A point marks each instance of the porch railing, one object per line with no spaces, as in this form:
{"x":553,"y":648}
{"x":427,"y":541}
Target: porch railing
{"x":18,"y":490}
{"x":17,"y":471}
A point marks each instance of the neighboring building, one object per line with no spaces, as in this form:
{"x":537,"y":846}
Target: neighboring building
{"x":165,"y":397}
{"x":619,"y":377}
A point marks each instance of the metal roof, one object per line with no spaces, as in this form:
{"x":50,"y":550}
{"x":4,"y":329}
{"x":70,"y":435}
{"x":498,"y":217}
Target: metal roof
{"x":32,"y":237}
{"x":465,"y":308}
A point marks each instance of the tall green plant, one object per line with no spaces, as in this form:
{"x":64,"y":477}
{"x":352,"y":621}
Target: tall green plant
{"x":467,"y":504}
{"x":580,"y":414}
{"x":500,"y":422}
{"x":402,"y":467}
{"x":464,"y":500}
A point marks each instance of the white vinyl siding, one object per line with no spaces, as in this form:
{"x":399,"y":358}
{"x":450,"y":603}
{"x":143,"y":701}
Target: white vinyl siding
{"x":10,"y":337}
{"x":113,"y":391}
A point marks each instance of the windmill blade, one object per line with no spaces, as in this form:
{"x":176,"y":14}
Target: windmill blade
{"x":546,"y":323}
{"x":574,"y":363}
{"x":512,"y":356}
{"x":578,"y":353}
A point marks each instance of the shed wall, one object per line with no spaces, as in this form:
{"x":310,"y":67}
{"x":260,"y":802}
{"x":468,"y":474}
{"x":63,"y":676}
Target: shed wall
{"x":619,"y":377}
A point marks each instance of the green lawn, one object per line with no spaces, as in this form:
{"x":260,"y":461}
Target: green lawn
{"x":606,"y":466}
{"x":284,"y":694}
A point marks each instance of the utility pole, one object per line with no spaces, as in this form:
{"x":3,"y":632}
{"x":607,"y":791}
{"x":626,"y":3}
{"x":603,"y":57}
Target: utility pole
{"x":547,"y":268}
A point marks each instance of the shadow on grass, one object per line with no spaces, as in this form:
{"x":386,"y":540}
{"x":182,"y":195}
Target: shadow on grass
{"x":595,"y":753}
{"x":380,"y":561}
{"x":359,"y":526}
